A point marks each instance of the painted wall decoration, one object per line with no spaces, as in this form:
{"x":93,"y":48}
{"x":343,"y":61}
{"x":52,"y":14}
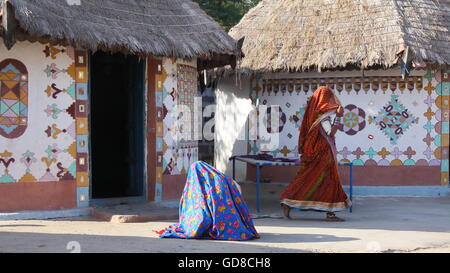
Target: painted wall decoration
{"x":53,"y":143}
{"x":79,"y":111}
{"x":373,"y":84}
{"x":279,"y":114}
{"x":6,"y":159}
{"x":160,"y":77}
{"x":441,"y":141}
{"x":49,"y":140}
{"x":393,"y":119}
{"x":353,"y":120}
{"x":387,"y":121}
{"x":179,"y":88}
{"x":13,"y":98}
{"x":297,"y":117}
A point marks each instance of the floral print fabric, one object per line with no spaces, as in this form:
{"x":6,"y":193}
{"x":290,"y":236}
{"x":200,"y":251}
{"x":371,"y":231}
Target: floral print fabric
{"x":211,"y":207}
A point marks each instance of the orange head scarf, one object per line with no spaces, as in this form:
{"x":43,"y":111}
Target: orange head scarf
{"x":322,"y":101}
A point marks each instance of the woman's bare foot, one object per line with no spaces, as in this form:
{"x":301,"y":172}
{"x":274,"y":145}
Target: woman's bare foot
{"x":286,"y":211}
{"x":331,"y":217}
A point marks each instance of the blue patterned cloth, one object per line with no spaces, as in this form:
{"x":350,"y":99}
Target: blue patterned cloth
{"x":211,"y":207}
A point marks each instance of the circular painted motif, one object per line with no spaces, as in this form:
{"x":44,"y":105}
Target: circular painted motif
{"x":353,"y":120}
{"x":268,"y":119}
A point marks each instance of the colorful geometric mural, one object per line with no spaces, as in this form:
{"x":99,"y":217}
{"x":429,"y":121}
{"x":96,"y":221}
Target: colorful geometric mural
{"x":353,"y":120}
{"x":6,"y":160}
{"x":47,"y":138}
{"x":79,"y":72}
{"x":280,"y":119}
{"x":442,"y":125}
{"x":297,"y":117}
{"x":179,"y":90}
{"x":340,"y":84}
{"x":160,"y":77}
{"x":13,"y":98}
{"x":46,"y":129}
{"x":28,"y":160}
{"x":393,"y":119}
{"x":51,"y":51}
{"x":386,"y":121}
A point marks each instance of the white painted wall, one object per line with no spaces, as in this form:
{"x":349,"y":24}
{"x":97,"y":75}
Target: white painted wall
{"x":233,"y":108}
{"x":34,"y":139}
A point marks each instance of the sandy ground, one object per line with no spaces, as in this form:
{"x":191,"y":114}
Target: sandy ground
{"x":400,"y":224}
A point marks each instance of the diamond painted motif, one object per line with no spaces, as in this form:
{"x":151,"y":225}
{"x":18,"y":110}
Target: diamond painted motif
{"x":298,"y":116}
{"x":394,"y":119}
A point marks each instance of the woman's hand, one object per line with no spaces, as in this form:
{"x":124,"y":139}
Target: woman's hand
{"x":340,"y":112}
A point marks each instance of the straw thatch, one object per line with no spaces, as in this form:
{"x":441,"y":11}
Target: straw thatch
{"x":173,"y":28}
{"x":299,"y":35}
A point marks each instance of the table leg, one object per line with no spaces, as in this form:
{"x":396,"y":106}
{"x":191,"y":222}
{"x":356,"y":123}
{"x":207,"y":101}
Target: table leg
{"x":257,"y":187}
{"x":351,"y":186}
{"x":234,"y":169}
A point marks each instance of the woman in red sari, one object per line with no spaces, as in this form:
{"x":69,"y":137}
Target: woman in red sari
{"x":317,"y":185}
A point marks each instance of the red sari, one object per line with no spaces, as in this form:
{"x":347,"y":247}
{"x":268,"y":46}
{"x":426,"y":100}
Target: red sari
{"x":317,"y":185}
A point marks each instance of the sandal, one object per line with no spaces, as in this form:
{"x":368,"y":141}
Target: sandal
{"x":331,"y":217}
{"x":286,"y":211}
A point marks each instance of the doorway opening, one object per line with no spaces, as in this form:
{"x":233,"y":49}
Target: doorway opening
{"x":117,"y":131}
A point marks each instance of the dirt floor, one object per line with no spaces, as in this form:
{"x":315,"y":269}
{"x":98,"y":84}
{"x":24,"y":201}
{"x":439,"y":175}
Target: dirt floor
{"x":377,"y":224}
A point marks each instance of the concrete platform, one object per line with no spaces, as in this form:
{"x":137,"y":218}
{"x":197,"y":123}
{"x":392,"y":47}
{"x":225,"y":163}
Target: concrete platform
{"x":168,"y":210}
{"x":133,"y":213}
{"x":44,"y":214}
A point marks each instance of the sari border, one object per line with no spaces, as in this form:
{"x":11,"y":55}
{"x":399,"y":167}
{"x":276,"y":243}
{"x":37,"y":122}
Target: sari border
{"x":317,"y":205}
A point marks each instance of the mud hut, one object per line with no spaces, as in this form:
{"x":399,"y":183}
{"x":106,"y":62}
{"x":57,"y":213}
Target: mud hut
{"x":388,"y":62}
{"x":88,"y":88}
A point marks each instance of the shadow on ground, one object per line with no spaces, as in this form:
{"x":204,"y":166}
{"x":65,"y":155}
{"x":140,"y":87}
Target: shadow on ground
{"x":426,"y":214}
{"x":66,"y":243}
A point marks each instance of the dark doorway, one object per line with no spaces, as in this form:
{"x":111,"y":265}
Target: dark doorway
{"x":117,"y":125}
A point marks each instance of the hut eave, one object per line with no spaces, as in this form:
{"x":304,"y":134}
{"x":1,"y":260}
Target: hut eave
{"x":323,"y":35}
{"x":169,"y":28}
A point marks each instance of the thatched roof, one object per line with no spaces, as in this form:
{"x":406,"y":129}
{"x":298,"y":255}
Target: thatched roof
{"x":334,"y":34}
{"x":173,"y":28}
